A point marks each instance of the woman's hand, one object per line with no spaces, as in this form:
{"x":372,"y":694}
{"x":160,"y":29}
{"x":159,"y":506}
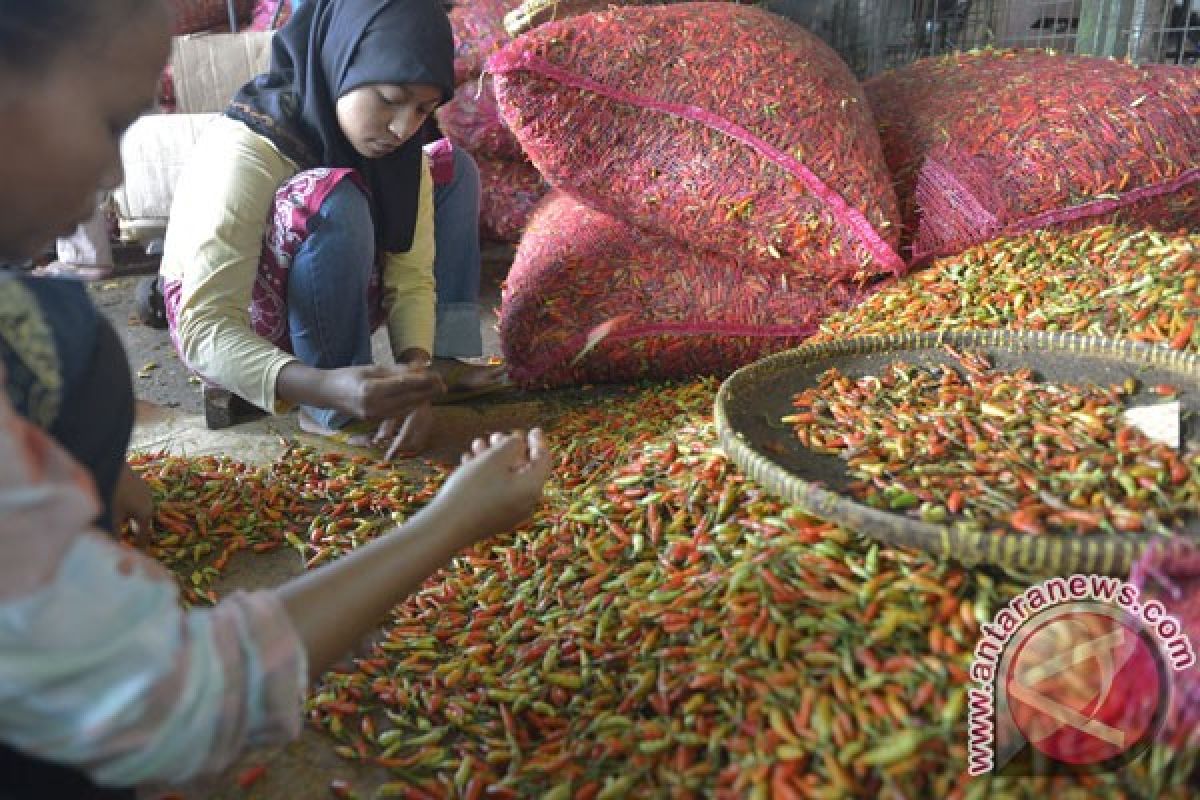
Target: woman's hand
{"x":499,"y":483}
{"x":366,"y":392}
{"x":383,"y":392}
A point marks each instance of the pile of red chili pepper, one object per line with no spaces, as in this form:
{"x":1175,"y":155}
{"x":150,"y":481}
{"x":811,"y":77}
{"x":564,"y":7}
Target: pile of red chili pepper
{"x":989,"y":449}
{"x":207,"y":509}
{"x":1108,"y":281}
{"x":663,"y":627}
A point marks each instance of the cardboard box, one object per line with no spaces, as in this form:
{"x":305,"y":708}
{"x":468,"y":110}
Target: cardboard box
{"x":209,"y":68}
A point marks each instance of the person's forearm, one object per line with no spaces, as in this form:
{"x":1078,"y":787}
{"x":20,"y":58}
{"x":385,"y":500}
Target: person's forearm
{"x":333,"y":607}
{"x":301,"y":384}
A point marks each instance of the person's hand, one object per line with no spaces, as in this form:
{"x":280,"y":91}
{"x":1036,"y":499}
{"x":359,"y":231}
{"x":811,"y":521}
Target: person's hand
{"x":382,"y":392}
{"x":407,"y":436}
{"x":499,"y":483}
{"x":133,"y":503}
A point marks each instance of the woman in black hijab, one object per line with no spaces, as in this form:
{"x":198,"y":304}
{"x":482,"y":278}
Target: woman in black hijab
{"x":308,"y":215}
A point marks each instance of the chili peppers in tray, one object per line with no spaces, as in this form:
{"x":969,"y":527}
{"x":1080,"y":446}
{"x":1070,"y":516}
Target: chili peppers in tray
{"x":993,"y":450}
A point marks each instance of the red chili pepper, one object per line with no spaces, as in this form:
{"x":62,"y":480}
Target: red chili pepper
{"x":251,"y":775}
{"x":1183,"y":338}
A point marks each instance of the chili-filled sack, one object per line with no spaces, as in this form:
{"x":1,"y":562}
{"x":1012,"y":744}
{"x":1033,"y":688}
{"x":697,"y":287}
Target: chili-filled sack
{"x":510,"y":190}
{"x":478,"y":27}
{"x":196,"y":16}
{"x":531,"y":13}
{"x":472,"y":121}
{"x":590,"y":299}
{"x":724,"y":126}
{"x":995,"y":143}
{"x":1170,"y":575}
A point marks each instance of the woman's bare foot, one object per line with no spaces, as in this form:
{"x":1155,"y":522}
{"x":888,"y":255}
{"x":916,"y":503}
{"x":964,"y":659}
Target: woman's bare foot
{"x":466,"y":377}
{"x":499,"y":483}
{"x":84,"y":272}
{"x":350,"y":435}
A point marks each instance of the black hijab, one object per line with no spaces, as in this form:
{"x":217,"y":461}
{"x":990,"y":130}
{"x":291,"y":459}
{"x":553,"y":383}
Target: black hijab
{"x":328,"y":48}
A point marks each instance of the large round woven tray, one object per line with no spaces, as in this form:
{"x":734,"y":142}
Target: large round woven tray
{"x":752,"y":401}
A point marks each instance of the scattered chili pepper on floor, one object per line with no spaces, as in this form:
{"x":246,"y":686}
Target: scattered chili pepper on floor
{"x":251,"y":775}
{"x":723,"y":644}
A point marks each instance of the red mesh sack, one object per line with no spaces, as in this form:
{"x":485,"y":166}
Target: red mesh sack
{"x":194,"y":16}
{"x":1171,"y":575}
{"x":591,"y":299}
{"x":478,"y":31}
{"x":264,"y":17}
{"x":995,"y":143}
{"x":472,"y":121}
{"x":532,"y":13}
{"x":510,"y":192}
{"x":721,"y":125}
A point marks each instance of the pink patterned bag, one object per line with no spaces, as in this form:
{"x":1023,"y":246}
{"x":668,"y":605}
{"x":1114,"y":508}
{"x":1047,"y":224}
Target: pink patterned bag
{"x":270,"y":15}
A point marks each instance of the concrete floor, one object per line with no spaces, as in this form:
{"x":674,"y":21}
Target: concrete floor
{"x":170,"y":418}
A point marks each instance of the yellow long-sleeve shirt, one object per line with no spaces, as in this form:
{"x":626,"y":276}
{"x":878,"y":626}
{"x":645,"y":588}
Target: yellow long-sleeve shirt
{"x":213,"y":245}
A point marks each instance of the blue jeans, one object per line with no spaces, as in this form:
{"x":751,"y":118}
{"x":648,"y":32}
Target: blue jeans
{"x":327,"y":283}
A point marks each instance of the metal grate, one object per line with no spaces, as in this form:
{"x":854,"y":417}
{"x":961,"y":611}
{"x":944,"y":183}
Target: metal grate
{"x":1177,"y":37}
{"x":874,"y":35}
{"x":1044,"y":24}
{"x":1146,"y":31}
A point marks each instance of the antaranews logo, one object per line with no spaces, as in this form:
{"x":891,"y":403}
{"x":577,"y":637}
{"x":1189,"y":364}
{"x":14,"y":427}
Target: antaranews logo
{"x":1072,"y":674}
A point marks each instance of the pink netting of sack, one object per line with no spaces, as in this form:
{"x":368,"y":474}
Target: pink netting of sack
{"x":478,"y":32}
{"x":591,"y":299}
{"x":531,"y":13}
{"x":1000,"y":142}
{"x":270,"y":15}
{"x":1171,"y":575}
{"x":510,"y":192}
{"x":721,"y":125}
{"x":195,"y":16}
{"x":472,"y":121}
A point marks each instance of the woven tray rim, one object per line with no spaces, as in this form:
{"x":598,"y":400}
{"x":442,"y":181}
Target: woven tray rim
{"x":1057,"y":553}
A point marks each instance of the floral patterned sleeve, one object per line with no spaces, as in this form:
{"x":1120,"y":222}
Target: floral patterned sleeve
{"x":100,"y":668}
